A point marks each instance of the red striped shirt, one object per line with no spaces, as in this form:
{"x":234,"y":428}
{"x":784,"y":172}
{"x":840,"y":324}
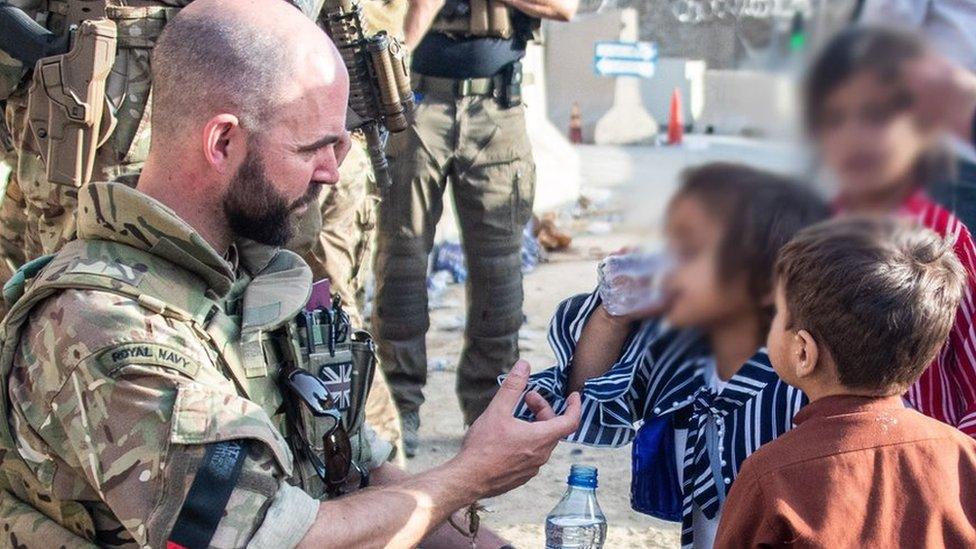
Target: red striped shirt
{"x":947,"y":389}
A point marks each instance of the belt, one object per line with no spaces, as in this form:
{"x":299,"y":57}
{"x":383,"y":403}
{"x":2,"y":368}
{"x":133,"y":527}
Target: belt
{"x":139,"y":22}
{"x":456,"y":88}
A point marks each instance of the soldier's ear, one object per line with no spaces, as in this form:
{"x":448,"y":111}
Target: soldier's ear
{"x":223,"y":141}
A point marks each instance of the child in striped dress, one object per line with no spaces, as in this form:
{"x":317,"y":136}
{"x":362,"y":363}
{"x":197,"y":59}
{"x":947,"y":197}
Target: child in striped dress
{"x":693,"y":376}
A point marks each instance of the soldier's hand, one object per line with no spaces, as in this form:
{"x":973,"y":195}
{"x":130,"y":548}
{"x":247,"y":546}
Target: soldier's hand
{"x":503,"y":452}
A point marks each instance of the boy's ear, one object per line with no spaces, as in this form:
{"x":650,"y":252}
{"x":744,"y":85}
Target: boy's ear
{"x":807,"y":353}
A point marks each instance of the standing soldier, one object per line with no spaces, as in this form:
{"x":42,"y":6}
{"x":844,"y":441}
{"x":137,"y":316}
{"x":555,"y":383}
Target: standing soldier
{"x":469,"y":131}
{"x":121,"y":137}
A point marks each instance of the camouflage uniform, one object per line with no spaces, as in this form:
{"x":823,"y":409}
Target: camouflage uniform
{"x":49,"y":215}
{"x":51,"y":207}
{"x":13,"y":225}
{"x":132,"y":350}
{"x":13,"y":209}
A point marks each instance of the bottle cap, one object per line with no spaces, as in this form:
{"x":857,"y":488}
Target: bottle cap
{"x":582,"y":476}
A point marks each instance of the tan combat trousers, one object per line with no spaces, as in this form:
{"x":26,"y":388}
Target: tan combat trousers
{"x":336,"y":241}
{"x":483,"y":152}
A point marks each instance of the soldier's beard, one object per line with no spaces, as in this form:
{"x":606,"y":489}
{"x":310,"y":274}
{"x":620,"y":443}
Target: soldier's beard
{"x":256,"y":210}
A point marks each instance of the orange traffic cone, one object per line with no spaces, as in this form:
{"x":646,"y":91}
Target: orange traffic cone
{"x":676,"y":124}
{"x":575,"y":125}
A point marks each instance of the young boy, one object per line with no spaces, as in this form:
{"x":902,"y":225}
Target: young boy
{"x":862,"y":306}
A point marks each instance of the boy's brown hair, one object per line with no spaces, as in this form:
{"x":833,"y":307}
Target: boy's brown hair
{"x":878,"y":294}
{"x":760,"y":211}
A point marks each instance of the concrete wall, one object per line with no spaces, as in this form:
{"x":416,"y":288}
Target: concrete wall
{"x":686,"y":75}
{"x":750,"y":103}
{"x":569,"y":70}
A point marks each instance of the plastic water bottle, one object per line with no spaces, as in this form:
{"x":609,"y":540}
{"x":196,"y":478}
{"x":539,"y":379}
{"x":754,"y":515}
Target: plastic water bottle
{"x":632,"y":282}
{"x":577,"y":521}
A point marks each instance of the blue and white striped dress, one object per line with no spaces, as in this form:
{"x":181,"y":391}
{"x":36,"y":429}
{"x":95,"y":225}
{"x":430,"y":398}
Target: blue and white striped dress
{"x":659,"y":375}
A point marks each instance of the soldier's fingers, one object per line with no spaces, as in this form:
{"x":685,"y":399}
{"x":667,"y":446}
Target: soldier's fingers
{"x":540,"y":408}
{"x":567,"y":423}
{"x":511,"y":390}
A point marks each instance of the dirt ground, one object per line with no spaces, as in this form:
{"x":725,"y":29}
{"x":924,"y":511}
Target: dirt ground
{"x":520,"y":514}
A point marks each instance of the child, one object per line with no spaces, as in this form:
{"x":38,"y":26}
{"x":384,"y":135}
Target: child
{"x":883,"y":156}
{"x":698,"y":378}
{"x":862,"y":307}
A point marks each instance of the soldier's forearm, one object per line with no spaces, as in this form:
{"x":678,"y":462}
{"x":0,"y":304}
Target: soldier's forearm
{"x":400,"y":514}
{"x":445,"y":536}
{"x":556,"y":10}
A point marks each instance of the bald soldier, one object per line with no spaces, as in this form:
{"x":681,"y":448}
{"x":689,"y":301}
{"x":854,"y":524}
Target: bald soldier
{"x":138,"y":412}
{"x":37,"y":216}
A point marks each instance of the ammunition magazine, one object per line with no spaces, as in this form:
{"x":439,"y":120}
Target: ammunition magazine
{"x":380,"y":98}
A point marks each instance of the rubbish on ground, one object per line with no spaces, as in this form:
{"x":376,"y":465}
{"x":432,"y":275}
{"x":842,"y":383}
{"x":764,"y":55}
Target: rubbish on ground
{"x":531,"y":251}
{"x":550,"y":237}
{"x":439,"y":364}
{"x":449,"y":256}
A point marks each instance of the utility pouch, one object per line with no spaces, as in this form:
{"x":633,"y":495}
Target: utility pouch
{"x":66,"y":104}
{"x":345,"y":361}
{"x":499,"y":20}
{"x":510,"y":92}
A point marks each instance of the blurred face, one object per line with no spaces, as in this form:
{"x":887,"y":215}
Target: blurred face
{"x":870,"y":139}
{"x":700,"y":298}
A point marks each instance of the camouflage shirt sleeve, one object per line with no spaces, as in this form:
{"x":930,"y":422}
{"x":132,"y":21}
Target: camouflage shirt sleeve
{"x":116,"y":405}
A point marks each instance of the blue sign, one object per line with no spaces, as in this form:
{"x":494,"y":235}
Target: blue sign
{"x":625,"y":59}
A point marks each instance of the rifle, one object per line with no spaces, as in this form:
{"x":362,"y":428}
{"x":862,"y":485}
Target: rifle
{"x":380,"y":96}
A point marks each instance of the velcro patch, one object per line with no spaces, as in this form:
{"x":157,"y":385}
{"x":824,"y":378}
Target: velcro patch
{"x":154,"y":354}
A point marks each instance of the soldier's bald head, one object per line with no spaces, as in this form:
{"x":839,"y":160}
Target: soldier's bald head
{"x":244,"y":57}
